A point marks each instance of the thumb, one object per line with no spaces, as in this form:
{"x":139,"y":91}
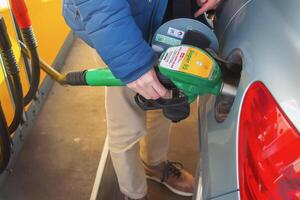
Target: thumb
{"x":201,"y":2}
{"x":208,"y":5}
{"x":160,"y":89}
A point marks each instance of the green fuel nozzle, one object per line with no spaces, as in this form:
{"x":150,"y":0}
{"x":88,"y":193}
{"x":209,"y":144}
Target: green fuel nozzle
{"x":187,"y":71}
{"x":93,"y":77}
{"x":190,"y":69}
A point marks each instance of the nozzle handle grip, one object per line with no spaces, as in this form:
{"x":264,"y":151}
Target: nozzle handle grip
{"x":21,"y":13}
{"x":175,"y":109}
{"x":93,"y":77}
{"x":101,"y":77}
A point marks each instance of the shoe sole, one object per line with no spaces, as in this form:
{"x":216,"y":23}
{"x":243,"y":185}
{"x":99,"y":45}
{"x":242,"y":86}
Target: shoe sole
{"x":186,"y":194}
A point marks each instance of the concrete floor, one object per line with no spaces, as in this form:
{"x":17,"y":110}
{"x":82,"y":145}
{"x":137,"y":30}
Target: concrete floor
{"x":60,"y":157}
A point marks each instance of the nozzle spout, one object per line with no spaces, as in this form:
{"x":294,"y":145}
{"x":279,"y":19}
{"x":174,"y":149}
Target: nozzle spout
{"x":229,"y":90}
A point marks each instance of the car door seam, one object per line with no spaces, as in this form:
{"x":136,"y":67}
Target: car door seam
{"x":224,"y":194}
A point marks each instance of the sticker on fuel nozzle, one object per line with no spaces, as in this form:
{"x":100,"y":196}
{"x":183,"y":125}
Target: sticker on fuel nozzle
{"x":176,"y":33}
{"x":167,"y":40}
{"x":189,"y":60}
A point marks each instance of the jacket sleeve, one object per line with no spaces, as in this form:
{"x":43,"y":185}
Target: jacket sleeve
{"x":116,"y":37}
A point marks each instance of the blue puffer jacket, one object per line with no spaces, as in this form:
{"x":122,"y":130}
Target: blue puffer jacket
{"x":118,"y":30}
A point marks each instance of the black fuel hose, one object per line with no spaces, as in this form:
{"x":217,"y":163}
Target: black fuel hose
{"x":21,"y":15}
{"x":31,"y":43}
{"x":12,"y":69}
{"x":19,"y":35}
{"x":5,"y":142}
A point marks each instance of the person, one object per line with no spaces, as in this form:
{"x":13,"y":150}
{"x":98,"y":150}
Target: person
{"x":118,"y":30}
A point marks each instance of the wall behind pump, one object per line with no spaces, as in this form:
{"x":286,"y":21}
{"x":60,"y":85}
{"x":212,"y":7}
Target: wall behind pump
{"x":51,"y":32}
{"x":49,"y":25}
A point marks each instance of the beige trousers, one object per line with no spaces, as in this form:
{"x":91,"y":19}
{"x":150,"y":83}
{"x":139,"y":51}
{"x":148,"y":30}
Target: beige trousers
{"x":134,"y":137}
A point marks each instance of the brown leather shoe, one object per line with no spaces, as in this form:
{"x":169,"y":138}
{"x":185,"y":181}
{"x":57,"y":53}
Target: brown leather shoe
{"x":173,"y":176}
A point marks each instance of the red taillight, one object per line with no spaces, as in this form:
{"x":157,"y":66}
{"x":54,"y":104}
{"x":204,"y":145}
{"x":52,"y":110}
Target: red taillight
{"x":269,"y":149}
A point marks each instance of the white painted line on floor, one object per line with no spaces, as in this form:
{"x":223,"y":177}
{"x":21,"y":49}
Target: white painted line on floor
{"x":100,"y":170}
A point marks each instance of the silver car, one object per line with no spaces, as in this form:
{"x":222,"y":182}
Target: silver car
{"x":250,"y":144}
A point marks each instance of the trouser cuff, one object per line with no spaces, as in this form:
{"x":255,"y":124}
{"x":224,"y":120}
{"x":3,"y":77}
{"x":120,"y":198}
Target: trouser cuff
{"x":134,"y":195}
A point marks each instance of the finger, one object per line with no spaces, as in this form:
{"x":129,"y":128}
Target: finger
{"x":204,"y":8}
{"x":145,"y":95}
{"x":153,"y":93}
{"x":200,"y":2}
{"x":161,"y":90}
{"x":217,"y":4}
{"x":153,"y":86}
{"x":144,"y":88}
{"x":136,"y":88}
{"x":144,"y":92}
{"x":201,"y":10}
{"x":147,"y":90}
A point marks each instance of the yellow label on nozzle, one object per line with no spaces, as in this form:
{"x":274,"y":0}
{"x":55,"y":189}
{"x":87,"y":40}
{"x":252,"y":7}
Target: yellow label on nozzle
{"x":189,"y":60}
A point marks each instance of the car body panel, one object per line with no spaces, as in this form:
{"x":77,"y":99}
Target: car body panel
{"x":226,"y":13}
{"x":270,"y":42}
{"x":229,"y":196}
{"x":268,"y":35}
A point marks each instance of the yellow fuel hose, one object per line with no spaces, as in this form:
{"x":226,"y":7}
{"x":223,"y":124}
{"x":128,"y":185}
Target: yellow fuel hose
{"x":57,"y":76}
